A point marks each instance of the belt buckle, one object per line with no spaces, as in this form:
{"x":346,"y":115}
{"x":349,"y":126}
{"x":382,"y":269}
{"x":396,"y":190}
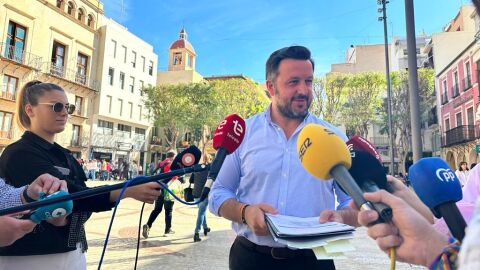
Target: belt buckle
{"x":275,"y":256}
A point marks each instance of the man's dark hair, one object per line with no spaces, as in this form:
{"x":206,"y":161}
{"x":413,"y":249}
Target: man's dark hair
{"x":170,"y":154}
{"x":292,"y":52}
{"x":476,"y":3}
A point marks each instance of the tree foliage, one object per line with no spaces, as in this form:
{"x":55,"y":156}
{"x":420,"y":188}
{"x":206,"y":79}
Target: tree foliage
{"x":329,"y":96}
{"x":199,"y":107}
{"x":363,"y":102}
{"x":401,"y":107}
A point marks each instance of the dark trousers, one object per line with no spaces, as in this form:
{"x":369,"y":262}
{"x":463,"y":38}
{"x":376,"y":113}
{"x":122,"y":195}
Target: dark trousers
{"x":246,"y":258}
{"x":159,"y":204}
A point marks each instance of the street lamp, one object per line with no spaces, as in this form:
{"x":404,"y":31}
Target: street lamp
{"x":383,"y":11}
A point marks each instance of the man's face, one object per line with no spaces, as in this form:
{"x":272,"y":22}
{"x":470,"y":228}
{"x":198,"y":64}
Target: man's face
{"x":292,"y":90}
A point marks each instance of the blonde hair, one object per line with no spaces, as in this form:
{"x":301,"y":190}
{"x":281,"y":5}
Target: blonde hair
{"x":29,"y":94}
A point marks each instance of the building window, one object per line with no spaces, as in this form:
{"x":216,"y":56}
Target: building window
{"x":470,"y":117}
{"x":75,"y":135}
{"x":15,"y":44}
{"x":139,"y":133}
{"x":455,"y":84}
{"x":71,"y":8}
{"x":132,"y":84}
{"x":81,"y":76}
{"x":139,"y":112}
{"x":177,"y":59}
{"x":143,"y":63}
{"x":60,"y":4}
{"x":58,"y":59}
{"x":447,"y":124}
{"x":81,"y":15}
{"x":78,"y":105}
{"x":124,"y":131}
{"x":114,"y":48}
{"x":9,"y":88}
{"x":6,"y":125}
{"x":130,"y":106}
{"x":120,"y":107}
{"x":142,"y":84}
{"x":90,"y":21}
{"x":111,"y":72}
{"x":109,"y":103}
{"x":124,"y":54}
{"x":134,"y":58}
{"x":150,"y":68}
{"x":122,"y":80}
{"x":444,"y":92}
{"x":458,"y":118}
{"x":468,"y":76}
{"x":104,"y":127}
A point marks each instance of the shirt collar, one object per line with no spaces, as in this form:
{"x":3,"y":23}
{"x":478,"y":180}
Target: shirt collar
{"x":268,"y":117}
{"x":28,"y":135}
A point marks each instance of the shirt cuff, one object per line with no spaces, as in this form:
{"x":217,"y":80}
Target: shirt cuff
{"x":216,"y":199}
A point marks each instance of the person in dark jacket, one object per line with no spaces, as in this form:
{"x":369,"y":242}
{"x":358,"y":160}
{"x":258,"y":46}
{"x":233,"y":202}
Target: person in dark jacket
{"x":59,"y":244}
{"x":198,"y":179}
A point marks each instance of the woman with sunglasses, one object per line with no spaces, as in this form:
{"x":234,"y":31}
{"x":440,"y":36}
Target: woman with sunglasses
{"x":43,"y":110}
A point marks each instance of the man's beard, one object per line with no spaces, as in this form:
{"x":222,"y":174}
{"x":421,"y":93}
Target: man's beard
{"x":286,"y":108}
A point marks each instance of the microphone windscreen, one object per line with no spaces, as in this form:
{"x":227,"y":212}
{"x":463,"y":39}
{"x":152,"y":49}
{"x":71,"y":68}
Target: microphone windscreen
{"x":366,"y":167}
{"x":188,"y":157}
{"x":434,"y":182}
{"x":362,"y":144}
{"x":319,"y":150}
{"x":229,"y":134}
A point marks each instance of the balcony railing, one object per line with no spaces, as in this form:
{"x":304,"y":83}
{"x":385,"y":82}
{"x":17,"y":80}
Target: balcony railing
{"x":7,"y":95}
{"x":70,"y":75}
{"x":460,"y":134}
{"x":20,"y":56}
{"x":467,"y":83}
{"x":6,"y":134}
{"x":455,"y":92}
{"x":380,"y":141}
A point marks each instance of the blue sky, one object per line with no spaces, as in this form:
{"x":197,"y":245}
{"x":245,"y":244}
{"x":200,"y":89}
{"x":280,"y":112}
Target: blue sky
{"x":236,"y":37}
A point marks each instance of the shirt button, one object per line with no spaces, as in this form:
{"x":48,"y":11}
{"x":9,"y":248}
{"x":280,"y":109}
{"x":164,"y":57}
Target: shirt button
{"x":284,"y":175}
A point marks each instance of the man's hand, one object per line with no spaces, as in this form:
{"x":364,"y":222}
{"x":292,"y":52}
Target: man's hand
{"x":147,"y":193}
{"x":12,"y":229}
{"x":414,"y":238}
{"x":347,"y":216}
{"x":255,"y":217}
{"x":47,"y":184}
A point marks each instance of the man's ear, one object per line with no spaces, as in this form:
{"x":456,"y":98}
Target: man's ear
{"x":270,"y":88}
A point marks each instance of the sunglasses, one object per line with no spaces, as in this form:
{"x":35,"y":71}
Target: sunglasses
{"x":58,"y":107}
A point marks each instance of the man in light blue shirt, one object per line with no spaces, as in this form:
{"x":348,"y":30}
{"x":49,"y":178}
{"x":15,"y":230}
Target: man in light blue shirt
{"x":264,"y":175}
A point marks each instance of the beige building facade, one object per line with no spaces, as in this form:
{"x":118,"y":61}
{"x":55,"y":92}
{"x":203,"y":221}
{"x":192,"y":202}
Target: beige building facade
{"x":51,"y":41}
{"x":121,"y":126}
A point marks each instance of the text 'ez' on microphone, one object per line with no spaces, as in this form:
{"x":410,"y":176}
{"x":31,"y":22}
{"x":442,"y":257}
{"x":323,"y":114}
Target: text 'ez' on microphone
{"x":438,"y":188}
{"x":324,"y":154}
{"x":227,"y":138}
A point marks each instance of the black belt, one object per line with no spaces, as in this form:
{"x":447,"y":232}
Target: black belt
{"x":275,"y":252}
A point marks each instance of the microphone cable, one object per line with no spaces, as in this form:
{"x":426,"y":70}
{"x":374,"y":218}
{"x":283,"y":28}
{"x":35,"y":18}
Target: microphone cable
{"x":117,"y":202}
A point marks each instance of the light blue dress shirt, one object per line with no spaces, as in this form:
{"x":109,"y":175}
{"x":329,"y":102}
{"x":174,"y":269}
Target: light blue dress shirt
{"x":266,"y":169}
{"x":9,"y":196}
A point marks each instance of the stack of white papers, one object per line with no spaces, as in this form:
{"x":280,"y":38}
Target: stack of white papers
{"x":328,"y":240}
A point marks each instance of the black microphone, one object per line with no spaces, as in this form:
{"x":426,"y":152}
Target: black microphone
{"x":227,"y":138}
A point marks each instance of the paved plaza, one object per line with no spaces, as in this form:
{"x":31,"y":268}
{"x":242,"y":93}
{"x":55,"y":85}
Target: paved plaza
{"x":178,"y":251}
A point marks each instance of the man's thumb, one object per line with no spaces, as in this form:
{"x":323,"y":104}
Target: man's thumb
{"x":266,"y":208}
